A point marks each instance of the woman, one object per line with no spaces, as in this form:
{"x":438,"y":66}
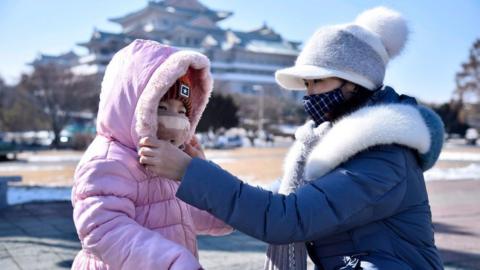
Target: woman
{"x":353,"y":191}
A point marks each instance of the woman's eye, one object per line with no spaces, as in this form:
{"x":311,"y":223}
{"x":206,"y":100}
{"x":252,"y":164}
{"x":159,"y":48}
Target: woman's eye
{"x":182,"y":112}
{"x":306,"y":83}
{"x":317,"y":81}
{"x":162,"y":108}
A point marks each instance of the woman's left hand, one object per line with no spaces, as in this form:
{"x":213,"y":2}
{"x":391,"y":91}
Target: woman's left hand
{"x":194,"y":148}
{"x":163,"y":158}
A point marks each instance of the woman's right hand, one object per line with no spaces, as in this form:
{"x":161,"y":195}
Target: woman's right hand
{"x":194,"y":148}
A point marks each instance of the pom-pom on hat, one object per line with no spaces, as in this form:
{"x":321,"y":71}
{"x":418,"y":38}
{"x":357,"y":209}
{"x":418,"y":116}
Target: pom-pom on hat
{"x":357,"y":52}
{"x":180,"y":90}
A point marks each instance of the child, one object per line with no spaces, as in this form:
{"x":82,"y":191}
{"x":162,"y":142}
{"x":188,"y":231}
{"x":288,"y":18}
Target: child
{"x":127,"y":217}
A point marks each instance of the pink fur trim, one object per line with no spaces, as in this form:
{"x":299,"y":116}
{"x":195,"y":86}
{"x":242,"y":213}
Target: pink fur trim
{"x":163,"y":78}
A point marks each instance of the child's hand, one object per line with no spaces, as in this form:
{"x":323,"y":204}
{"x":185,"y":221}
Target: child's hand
{"x":163,"y":158}
{"x":194,"y":149}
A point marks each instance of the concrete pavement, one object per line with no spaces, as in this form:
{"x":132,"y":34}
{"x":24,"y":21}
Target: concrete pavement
{"x":41,"y":235}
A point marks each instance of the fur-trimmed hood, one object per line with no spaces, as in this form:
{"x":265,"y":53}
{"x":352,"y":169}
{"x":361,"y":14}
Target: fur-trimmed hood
{"x":136,"y":79}
{"x":388,"y":119}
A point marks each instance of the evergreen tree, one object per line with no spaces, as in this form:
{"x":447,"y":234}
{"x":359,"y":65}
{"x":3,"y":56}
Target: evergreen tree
{"x":221,"y":112}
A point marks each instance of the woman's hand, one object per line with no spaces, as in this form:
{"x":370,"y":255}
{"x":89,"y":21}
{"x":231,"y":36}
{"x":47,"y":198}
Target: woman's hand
{"x":194,"y":149}
{"x":163,"y":158}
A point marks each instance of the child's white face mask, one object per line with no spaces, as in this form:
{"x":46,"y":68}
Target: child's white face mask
{"x":173,"y":127}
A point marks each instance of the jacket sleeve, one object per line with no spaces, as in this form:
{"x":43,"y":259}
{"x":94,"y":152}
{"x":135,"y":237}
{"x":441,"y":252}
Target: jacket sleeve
{"x":368,"y":187}
{"x":206,"y":224}
{"x":104,"y":214}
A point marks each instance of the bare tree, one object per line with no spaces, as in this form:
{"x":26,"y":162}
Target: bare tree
{"x":468,"y":79}
{"x":59,"y":94}
{"x":277,"y":109}
{"x":467,"y":91}
{"x":3,"y":90}
{"x":278,"y":106}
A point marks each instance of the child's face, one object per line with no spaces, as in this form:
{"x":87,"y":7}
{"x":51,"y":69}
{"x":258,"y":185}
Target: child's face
{"x":173,"y":124}
{"x":171,"y":106}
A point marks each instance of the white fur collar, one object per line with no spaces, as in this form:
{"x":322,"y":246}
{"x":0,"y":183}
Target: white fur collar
{"x":367,"y":127}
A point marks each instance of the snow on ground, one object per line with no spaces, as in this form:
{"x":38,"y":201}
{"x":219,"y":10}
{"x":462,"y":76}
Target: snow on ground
{"x":17,"y":195}
{"x":22,"y":194}
{"x":30,"y":168}
{"x":49,"y":159}
{"x":471,"y":172}
{"x":459,"y":156}
{"x":221,"y":160}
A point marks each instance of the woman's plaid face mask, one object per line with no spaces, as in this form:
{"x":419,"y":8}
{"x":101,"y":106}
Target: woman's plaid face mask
{"x":318,"y":106}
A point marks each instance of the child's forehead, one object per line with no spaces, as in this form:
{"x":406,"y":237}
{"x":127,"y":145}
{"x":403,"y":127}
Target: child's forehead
{"x":172,"y":102}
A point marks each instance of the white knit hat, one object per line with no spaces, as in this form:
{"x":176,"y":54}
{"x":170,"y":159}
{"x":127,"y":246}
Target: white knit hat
{"x":357,"y":52}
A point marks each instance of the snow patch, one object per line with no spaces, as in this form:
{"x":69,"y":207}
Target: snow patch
{"x":459,"y":156}
{"x":73,"y":158}
{"x":17,"y":195}
{"x":30,"y":168}
{"x":470,"y":172}
{"x":222,"y":160}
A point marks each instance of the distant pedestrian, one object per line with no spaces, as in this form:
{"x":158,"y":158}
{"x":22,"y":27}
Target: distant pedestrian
{"x":251,"y":138}
{"x":269,"y":139}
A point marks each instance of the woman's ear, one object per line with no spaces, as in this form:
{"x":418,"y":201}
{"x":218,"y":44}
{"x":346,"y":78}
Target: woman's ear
{"x":349,"y":89}
{"x":349,"y":86}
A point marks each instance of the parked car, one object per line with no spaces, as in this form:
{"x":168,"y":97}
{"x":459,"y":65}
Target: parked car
{"x":7,"y":147}
{"x":77,"y":135}
{"x":225,"y":142}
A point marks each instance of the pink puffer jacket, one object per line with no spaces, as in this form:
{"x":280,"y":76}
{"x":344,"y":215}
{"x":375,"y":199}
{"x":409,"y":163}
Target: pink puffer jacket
{"x":127,"y":218}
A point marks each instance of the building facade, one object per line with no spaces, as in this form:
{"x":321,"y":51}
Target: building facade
{"x":241,"y":61}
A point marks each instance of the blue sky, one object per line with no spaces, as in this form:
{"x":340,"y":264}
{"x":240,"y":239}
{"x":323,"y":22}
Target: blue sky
{"x":442,"y":32}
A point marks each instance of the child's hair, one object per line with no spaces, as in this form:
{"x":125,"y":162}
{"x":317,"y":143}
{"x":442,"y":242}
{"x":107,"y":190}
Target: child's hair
{"x":180,"y":90}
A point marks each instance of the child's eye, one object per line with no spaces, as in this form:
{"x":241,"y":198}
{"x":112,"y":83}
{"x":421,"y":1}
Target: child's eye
{"x":182,"y":112}
{"x":162,"y":108}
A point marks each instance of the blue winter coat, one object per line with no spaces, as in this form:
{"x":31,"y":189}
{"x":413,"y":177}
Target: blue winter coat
{"x":370,"y":210}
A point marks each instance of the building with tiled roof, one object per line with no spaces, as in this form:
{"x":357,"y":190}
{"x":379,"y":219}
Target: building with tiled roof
{"x":239,"y":59}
